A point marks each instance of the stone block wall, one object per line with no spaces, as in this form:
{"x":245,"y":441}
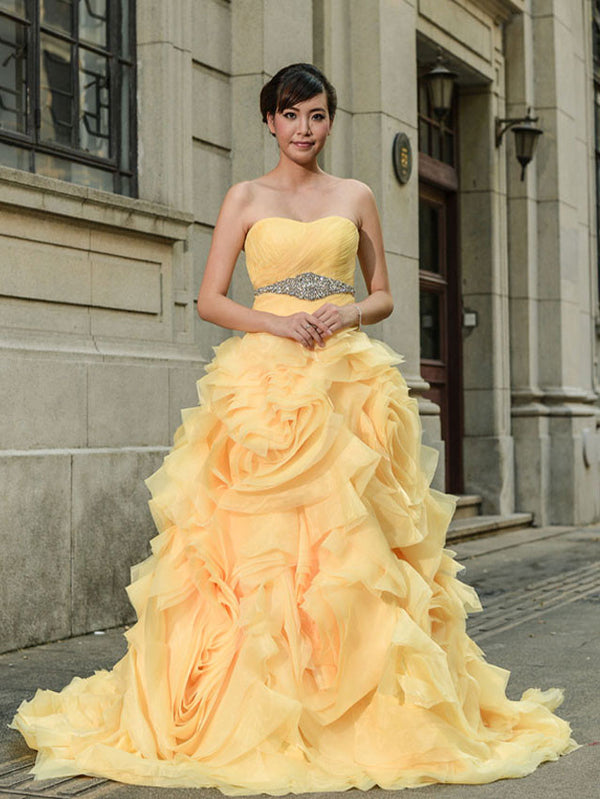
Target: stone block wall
{"x":100,"y":342}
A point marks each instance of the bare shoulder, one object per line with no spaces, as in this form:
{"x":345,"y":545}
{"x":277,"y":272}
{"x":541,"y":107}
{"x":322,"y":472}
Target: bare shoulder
{"x":238,"y":205}
{"x":248,"y":199}
{"x":358,"y":188}
{"x":239,"y":194}
{"x":363,"y":201}
{"x":360,"y":196}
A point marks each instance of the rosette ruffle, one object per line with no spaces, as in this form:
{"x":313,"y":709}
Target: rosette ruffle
{"x":300,"y":624}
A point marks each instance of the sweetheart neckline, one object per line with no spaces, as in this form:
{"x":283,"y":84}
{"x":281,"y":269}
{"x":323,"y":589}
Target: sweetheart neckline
{"x":303,"y":221}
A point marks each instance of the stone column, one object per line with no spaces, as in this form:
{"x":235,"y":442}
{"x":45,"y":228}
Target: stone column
{"x":265,"y":36}
{"x":384,"y":102}
{"x":554,"y":418}
{"x":164,"y":42}
{"x":488,"y":445}
{"x":382,"y":63}
{"x":529,"y":419}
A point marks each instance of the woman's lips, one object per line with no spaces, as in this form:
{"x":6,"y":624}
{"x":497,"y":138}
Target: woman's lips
{"x":304,"y":145}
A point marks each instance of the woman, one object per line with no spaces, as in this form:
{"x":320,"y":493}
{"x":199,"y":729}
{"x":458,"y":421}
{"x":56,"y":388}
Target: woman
{"x":300,"y":624}
{"x":298,"y":190}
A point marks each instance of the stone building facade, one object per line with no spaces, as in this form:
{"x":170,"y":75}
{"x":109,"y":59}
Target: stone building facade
{"x":100,"y":343}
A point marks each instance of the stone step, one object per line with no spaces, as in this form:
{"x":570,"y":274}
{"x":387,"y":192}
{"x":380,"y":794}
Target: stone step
{"x":468,"y":505}
{"x":478,"y":526}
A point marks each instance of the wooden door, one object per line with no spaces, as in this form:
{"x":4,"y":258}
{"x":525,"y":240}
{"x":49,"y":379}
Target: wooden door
{"x":440,"y":320}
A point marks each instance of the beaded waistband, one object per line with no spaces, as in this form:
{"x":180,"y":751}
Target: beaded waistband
{"x":307,"y":286}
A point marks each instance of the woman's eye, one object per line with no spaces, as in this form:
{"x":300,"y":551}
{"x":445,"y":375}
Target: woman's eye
{"x":292,"y":114}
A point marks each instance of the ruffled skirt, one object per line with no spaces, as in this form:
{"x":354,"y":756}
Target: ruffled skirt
{"x":300,"y":626}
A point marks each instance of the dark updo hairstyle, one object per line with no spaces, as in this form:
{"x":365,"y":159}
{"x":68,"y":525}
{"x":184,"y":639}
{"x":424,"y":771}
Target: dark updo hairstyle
{"x":293,"y":84}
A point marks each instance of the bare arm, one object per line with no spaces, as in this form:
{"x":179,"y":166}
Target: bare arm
{"x":226,"y":245}
{"x":371,"y":255}
{"x":213,"y":303}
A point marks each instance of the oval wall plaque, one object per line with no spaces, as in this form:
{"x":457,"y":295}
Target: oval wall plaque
{"x":402,"y":157}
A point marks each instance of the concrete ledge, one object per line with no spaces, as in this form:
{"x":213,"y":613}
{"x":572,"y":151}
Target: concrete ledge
{"x":60,"y":198}
{"x":485,"y":525}
{"x":467,"y":506}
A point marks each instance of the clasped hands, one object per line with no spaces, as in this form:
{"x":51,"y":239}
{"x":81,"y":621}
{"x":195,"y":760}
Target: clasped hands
{"x":314,"y":328}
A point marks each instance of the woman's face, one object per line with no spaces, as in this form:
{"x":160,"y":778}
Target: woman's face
{"x":302,"y":129}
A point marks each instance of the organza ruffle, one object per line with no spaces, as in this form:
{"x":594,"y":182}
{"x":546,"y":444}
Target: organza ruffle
{"x":300,"y":625}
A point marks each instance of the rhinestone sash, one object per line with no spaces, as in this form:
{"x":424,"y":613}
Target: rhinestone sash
{"x":307,"y":286}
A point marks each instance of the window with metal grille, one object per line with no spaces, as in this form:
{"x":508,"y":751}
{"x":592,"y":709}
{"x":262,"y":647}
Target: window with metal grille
{"x":67,"y":90}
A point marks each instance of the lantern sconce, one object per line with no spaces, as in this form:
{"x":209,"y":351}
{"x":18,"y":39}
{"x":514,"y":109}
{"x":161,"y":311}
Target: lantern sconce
{"x":440,"y":85}
{"x":526,"y":136}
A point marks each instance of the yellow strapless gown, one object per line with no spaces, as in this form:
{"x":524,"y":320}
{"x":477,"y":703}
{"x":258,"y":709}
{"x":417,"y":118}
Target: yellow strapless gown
{"x":300,"y":624}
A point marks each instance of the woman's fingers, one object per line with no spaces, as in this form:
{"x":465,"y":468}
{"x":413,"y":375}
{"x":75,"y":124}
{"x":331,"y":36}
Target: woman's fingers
{"x":310,"y":328}
{"x":321,"y":324}
{"x":329,"y":315}
{"x":306,"y":332}
{"x":317,"y":322}
{"x":316,"y":332}
{"x":314,"y":329}
{"x":330,"y":325}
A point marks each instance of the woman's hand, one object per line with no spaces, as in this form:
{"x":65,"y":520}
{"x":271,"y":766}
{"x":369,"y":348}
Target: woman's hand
{"x":306,"y":328}
{"x":337,"y":316}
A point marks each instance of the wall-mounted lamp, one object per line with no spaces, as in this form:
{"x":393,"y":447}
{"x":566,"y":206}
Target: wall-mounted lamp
{"x":526,"y":136}
{"x":440,"y":84}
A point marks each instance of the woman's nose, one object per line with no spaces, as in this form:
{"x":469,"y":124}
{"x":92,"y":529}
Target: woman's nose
{"x":305,"y":125}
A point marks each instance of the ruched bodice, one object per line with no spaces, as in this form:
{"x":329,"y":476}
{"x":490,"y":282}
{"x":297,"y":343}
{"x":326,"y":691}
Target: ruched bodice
{"x":278,"y":248}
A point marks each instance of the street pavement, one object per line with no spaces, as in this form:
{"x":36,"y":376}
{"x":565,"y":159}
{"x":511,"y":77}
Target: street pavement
{"x":540,"y":589}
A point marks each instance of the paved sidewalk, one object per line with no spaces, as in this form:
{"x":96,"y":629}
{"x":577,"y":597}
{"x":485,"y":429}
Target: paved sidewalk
{"x":541,"y":595}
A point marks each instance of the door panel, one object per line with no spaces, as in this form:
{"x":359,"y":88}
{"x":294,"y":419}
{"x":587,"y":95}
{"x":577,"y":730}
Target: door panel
{"x":440,"y":320}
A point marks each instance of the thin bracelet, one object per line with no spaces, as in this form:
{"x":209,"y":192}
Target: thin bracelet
{"x":359,"y":315}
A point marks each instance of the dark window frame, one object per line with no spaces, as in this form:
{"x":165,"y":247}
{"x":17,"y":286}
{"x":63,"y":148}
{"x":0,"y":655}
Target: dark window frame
{"x":121,"y":162}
